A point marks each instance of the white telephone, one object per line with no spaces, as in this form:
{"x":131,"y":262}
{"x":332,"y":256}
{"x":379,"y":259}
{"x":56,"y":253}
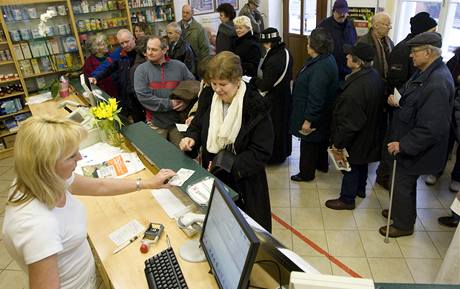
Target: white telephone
{"x":82,"y":116}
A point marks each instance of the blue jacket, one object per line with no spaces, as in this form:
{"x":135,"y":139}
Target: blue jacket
{"x":342,"y":34}
{"x":114,"y":56}
{"x":422,"y":122}
{"x":315,"y":90}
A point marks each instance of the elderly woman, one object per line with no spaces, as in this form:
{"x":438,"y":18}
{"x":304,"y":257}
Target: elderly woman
{"x":226,"y":33}
{"x":99,"y":52}
{"x":246,"y":46}
{"x":273,"y":81}
{"x":313,"y":99}
{"x":241,"y":125}
{"x":44,"y":229}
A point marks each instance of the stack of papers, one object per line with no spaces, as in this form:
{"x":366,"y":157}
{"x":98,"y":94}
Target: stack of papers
{"x":340,"y":159}
{"x":104,"y":161}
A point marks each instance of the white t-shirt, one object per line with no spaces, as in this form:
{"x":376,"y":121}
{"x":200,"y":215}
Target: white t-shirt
{"x":32,"y":232}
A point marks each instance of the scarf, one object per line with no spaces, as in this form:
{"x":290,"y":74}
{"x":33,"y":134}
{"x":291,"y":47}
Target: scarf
{"x":382,"y":49}
{"x":224,"y":130}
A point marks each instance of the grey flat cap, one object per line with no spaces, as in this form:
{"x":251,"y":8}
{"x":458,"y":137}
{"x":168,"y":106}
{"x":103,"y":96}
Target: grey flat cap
{"x":426,"y":38}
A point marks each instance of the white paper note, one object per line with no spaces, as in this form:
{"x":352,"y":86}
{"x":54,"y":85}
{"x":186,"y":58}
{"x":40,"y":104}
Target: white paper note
{"x":182,"y":127}
{"x":397,"y":95}
{"x":126,"y":232}
{"x":170,"y":204}
{"x":455,"y":206}
{"x":181,"y":176}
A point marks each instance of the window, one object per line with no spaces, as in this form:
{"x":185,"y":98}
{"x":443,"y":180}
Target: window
{"x":446,"y":12}
{"x":308,"y":16}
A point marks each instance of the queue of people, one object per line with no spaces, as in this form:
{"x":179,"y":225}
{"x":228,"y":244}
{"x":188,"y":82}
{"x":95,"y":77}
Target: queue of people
{"x":245,"y":117}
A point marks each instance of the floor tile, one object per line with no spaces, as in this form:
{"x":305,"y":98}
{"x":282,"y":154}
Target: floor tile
{"x":369,"y":202}
{"x":418,"y":245}
{"x":316,"y":236}
{"x":307,"y":218}
{"x":5,"y":259}
{"x":375,"y":247}
{"x":13,"y":266}
{"x":302,"y":185}
{"x":279,"y":168}
{"x":284,"y":214}
{"x":284,"y":236}
{"x":358,"y":265}
{"x":338,"y":220}
{"x":322,"y":264}
{"x":278,"y":180}
{"x":327,"y":194}
{"x":424,"y":270}
{"x":344,"y":244}
{"x":306,"y":198}
{"x":427,"y":200}
{"x":390,"y":270}
{"x":446,"y":198}
{"x":441,"y":241}
{"x":4,"y":169}
{"x":429,"y":218}
{"x":12,"y":279}
{"x":369,"y":219}
{"x":280,"y":198}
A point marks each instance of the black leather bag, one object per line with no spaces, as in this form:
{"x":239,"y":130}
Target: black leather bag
{"x":223,"y":161}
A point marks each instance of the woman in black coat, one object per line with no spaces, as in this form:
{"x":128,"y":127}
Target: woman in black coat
{"x":273,"y":81}
{"x":358,"y":116}
{"x":312,"y":102}
{"x":247,"y":46}
{"x":226,"y":33}
{"x":240,"y":124}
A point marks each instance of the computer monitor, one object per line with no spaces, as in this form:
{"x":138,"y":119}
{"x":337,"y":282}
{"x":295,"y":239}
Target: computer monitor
{"x":229,"y":243}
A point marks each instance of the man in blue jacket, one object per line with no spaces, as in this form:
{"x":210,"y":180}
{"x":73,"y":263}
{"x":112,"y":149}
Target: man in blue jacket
{"x":343,"y":32}
{"x":420,"y":130}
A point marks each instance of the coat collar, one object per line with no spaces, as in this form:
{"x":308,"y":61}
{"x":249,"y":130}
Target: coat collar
{"x":419,"y":77}
{"x":354,"y":76}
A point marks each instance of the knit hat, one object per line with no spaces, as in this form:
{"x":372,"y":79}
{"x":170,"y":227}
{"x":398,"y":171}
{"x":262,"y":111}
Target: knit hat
{"x":361,"y":50}
{"x":270,"y":35}
{"x":421,"y":22}
{"x":341,"y":6}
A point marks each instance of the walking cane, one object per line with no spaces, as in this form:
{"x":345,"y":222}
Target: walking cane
{"x":391,"y":200}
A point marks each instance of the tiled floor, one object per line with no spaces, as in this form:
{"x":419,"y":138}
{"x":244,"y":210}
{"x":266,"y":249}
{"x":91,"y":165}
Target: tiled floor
{"x":349,"y":236}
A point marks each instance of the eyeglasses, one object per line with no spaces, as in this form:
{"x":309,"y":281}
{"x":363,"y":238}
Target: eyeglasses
{"x":415,"y":50}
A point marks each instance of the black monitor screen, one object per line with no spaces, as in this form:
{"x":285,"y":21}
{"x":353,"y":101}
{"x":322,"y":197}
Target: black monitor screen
{"x":229,"y":243}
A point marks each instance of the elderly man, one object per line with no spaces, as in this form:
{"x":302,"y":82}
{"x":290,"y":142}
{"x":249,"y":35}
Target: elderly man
{"x":358,"y":114}
{"x":420,"y":129}
{"x":120,"y":61}
{"x":154,"y":80}
{"x":343,"y":32}
{"x":193,"y":33}
{"x":180,"y":49}
{"x":250,"y":10}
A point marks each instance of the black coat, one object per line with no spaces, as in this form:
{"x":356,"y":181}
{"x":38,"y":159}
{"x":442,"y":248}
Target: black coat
{"x":183,"y":52}
{"x":253,"y":147}
{"x":226,"y":37}
{"x":247,"y":47}
{"x":358,"y":115}
{"x":422,"y":122}
{"x":280,"y":97}
{"x":401,"y":66}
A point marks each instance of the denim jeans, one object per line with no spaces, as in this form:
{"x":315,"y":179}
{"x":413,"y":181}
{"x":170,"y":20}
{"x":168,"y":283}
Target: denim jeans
{"x":353,"y":182}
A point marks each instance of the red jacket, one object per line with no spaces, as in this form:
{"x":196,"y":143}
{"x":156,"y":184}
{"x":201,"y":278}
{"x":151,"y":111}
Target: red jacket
{"x":107,"y":84}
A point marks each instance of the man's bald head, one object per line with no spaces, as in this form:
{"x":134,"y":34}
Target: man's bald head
{"x":381,"y":24}
{"x":187,"y":13}
{"x":126,"y":40}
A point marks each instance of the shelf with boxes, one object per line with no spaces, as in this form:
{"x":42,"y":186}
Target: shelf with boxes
{"x":95,"y":16}
{"x":156,"y":13}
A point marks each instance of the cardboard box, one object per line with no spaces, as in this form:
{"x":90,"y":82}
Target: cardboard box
{"x":26,"y":50}
{"x":9,"y":140}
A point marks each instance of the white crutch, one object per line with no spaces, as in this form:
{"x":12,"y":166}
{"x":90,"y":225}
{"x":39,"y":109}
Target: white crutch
{"x":391,"y":200}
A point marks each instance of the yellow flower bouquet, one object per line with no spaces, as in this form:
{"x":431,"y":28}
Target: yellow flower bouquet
{"x":106,"y":116}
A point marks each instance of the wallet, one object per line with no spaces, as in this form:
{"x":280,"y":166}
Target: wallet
{"x":223,"y":161}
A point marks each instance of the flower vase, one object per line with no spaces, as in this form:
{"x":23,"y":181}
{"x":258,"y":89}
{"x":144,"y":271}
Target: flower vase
{"x":108,"y":133}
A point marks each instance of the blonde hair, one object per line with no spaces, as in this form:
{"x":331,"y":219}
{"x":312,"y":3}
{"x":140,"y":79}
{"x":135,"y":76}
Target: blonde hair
{"x":40,"y":143}
{"x":243,"y":20}
{"x":225,"y":66}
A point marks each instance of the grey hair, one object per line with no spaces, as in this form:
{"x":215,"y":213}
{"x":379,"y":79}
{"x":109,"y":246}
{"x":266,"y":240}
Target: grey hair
{"x":99,"y":38}
{"x":163,"y":41}
{"x":124,"y":30}
{"x":176,"y":27}
{"x":436,"y":50}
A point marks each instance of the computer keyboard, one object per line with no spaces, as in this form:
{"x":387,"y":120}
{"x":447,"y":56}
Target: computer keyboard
{"x":163,"y":272}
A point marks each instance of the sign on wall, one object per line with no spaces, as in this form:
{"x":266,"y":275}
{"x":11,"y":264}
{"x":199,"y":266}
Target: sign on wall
{"x":209,"y":6}
{"x":361,"y":18}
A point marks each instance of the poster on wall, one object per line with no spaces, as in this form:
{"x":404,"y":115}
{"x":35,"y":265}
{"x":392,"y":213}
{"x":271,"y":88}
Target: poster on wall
{"x":361,"y":18}
{"x":233,"y":2}
{"x":202,"y":6}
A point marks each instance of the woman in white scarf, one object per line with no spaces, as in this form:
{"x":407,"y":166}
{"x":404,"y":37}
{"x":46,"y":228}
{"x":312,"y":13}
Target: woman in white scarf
{"x":237,"y":120}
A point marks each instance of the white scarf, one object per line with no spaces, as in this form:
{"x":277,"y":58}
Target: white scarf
{"x":223,"y":131}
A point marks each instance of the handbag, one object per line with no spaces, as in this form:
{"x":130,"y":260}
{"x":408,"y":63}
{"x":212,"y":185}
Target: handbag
{"x":223,"y":161}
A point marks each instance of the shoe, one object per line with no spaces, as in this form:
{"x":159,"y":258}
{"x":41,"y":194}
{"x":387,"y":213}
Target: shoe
{"x":323,"y":170}
{"x":361,"y":194}
{"x":395,"y":232}
{"x":298,"y":178}
{"x":431,"y":180}
{"x":383,"y":181}
{"x":338,"y":204}
{"x":448,"y":221}
{"x":454,"y":186}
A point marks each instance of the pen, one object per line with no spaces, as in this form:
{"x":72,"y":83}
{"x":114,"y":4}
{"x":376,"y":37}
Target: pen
{"x":125,"y":244}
